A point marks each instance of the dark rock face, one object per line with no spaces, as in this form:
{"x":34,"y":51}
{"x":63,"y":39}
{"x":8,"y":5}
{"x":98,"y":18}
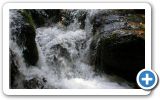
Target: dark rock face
{"x":30,"y":53}
{"x":118,"y":45}
{"x":34,"y":83}
{"x":38,"y":16}
{"x":23,"y":33}
{"x":41,"y":17}
{"x":122,"y":55}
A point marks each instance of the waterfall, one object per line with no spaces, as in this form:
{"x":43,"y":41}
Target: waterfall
{"x":63,"y":57}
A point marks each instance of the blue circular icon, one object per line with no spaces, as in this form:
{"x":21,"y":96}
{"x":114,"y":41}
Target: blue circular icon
{"x":147,"y":79}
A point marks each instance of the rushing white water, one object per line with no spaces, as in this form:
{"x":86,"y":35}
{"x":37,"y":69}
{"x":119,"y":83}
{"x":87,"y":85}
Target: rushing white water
{"x":63,"y":58}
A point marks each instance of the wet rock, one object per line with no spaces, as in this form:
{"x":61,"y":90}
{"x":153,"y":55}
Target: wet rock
{"x":23,"y":32}
{"x":69,"y":16}
{"x":43,"y":17}
{"x":14,"y":71}
{"x":118,"y":19}
{"x":38,"y":16}
{"x":113,"y":26}
{"x":121,"y":55}
{"x":47,"y":17}
{"x":34,"y":83}
{"x":30,"y":53}
{"x":118,"y":44}
{"x":81,"y":18}
{"x":136,"y":18}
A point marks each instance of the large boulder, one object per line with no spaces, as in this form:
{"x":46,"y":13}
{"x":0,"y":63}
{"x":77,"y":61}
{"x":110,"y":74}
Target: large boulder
{"x":23,"y":33}
{"x":121,"y":55}
{"x":118,"y":44}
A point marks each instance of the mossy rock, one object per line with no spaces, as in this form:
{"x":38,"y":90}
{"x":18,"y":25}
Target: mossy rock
{"x":31,"y":52}
{"x":25,"y":37}
{"x":38,"y":19}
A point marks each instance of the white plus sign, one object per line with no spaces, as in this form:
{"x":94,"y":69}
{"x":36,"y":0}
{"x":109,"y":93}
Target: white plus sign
{"x":147,"y":79}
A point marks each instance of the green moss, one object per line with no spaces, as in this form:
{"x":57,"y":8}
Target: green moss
{"x":135,"y":18}
{"x":27,"y":38}
{"x":28,"y":18}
